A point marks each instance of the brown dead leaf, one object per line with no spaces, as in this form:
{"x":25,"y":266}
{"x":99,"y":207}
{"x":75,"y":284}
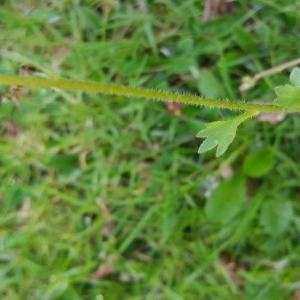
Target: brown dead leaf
{"x":11,"y":129}
{"x":214,"y":8}
{"x":104,"y":269}
{"x":27,"y":70}
{"x":82,"y":157}
{"x":232,"y":266}
{"x":61,"y":54}
{"x":173,"y":108}
{"x":295,"y":295}
{"x":18,"y":92}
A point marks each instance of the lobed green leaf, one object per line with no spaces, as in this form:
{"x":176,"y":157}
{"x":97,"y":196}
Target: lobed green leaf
{"x":288,"y":97}
{"x":220,"y":134}
{"x":289,"y":94}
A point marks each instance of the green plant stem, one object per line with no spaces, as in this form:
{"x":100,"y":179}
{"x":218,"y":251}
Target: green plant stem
{"x":109,"y":89}
{"x":245,"y":116}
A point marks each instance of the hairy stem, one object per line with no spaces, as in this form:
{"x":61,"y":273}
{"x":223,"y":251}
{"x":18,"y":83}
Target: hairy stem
{"x":245,"y":116}
{"x":109,"y":89}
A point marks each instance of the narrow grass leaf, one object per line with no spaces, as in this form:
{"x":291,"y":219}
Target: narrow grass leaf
{"x":251,"y":211}
{"x":136,"y":231}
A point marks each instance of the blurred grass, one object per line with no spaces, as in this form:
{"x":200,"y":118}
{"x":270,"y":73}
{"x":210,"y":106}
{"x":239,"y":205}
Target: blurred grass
{"x":91,"y":181}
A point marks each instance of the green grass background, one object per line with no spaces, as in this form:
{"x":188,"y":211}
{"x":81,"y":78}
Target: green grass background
{"x":93,"y":180}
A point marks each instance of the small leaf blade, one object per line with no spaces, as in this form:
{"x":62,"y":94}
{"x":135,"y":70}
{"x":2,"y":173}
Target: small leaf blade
{"x":220,"y":134}
{"x":207,"y":145}
{"x":288,"y":97}
{"x":258,"y":163}
{"x":226,"y":200}
{"x":276,"y":215}
{"x":295,"y":77}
